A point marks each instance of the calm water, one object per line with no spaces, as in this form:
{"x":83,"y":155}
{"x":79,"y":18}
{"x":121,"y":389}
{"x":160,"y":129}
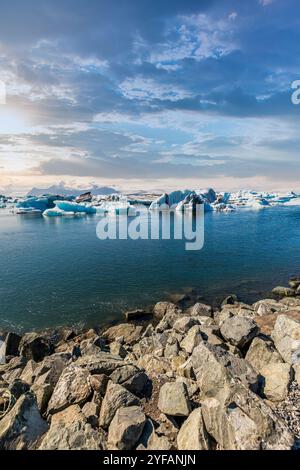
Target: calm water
{"x":56,"y":272}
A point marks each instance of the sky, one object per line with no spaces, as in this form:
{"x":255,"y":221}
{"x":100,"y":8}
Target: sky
{"x":150,"y":95}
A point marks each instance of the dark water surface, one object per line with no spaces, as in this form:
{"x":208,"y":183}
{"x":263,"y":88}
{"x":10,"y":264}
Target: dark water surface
{"x":57,"y":272}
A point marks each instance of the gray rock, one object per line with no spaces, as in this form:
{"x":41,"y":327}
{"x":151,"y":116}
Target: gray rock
{"x":150,"y":440}
{"x":129,"y":332}
{"x":103,"y":363}
{"x":239,"y":420}
{"x":22,"y":426}
{"x":99,"y":383}
{"x":239,"y":331}
{"x":192,"y":434}
{"x":286,"y":336}
{"x":43,"y":394}
{"x":261,"y":353}
{"x":91,"y":412}
{"x":192,"y":339}
{"x":75,"y":436}
{"x":116,"y":397}
{"x":164,"y":308}
{"x":131,"y":378}
{"x":172,"y":348}
{"x":277,"y":379}
{"x":34,"y":346}
{"x":174,"y":399}
{"x":117,"y":349}
{"x":126,"y":428}
{"x":296,"y":368}
{"x":201,"y":310}
{"x":28,"y":373}
{"x":73,"y":387}
{"x":184,"y":324}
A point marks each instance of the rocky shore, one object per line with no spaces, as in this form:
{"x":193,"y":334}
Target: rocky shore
{"x":183,"y":375}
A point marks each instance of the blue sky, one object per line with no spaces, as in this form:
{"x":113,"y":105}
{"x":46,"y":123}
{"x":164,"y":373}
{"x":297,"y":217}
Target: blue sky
{"x":141,"y":94}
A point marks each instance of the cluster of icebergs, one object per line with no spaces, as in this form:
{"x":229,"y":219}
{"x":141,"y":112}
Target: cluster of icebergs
{"x":58,"y":206}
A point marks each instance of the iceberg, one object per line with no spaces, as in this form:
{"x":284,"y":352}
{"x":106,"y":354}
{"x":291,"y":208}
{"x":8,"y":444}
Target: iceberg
{"x":67,"y":206}
{"x":184,"y":199}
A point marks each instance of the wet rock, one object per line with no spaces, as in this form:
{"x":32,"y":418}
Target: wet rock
{"x":129,"y":332}
{"x":116,"y":397}
{"x":22,"y":426}
{"x":277,"y":379}
{"x":239,"y":331}
{"x":126,"y":428}
{"x":192,"y":434}
{"x":261,"y":353}
{"x":230,"y":300}
{"x":73,"y":387}
{"x":174,"y":399}
{"x":286,"y":336}
{"x":283,"y":291}
{"x":36,"y":347}
{"x":136,"y":314}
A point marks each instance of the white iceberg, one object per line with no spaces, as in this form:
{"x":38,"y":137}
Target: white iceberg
{"x":68,"y":206}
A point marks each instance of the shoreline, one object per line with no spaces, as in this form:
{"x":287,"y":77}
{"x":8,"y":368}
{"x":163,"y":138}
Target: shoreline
{"x":167,"y":378}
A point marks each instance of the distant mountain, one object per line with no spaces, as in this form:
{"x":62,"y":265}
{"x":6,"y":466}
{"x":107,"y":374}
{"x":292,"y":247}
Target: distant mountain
{"x":67,"y":191}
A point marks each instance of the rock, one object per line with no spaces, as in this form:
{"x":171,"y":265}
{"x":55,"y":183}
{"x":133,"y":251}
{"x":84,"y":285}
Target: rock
{"x":296,"y":368}
{"x":43,"y":394}
{"x":92,"y":346}
{"x":192,"y":339}
{"x":174,"y":400}
{"x":18,"y":388}
{"x":261,"y":353}
{"x":277,"y":379}
{"x":76,"y":436}
{"x":154,"y":364}
{"x":103,"y":363}
{"x":116,"y":397}
{"x":191,"y":385}
{"x":70,"y":415}
{"x":192,"y":434}
{"x":150,"y":440}
{"x":28,"y":374}
{"x":126,"y":428}
{"x":50,"y":369}
{"x":290,"y":302}
{"x":164,"y":308}
{"x":151,"y":344}
{"x":129,"y":332}
{"x":91,"y":412}
{"x":230,"y":300}
{"x":201,"y":310}
{"x":268,"y":306}
{"x":184,"y":324}
{"x":286,"y":336}
{"x":135,"y":314}
{"x":73,"y":387}
{"x":167,"y":427}
{"x":12,"y":342}
{"x":283,"y":291}
{"x":294,"y":282}
{"x":172,"y":348}
{"x":36,"y":347}
{"x":117,"y":349}
{"x":239,"y":420}
{"x":239,"y":331}
{"x":214,"y":368}
{"x":22,"y":426}
{"x":220,"y":317}
{"x":131,"y":378}
{"x":99,"y":383}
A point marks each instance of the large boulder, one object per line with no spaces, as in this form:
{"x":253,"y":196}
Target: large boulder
{"x":192,"y":339}
{"x":174,"y":399}
{"x":73,"y":387}
{"x":214,"y":368}
{"x":277,"y":379}
{"x":116,"y":397}
{"x":239,"y":331}
{"x":132,"y":378}
{"x":12,"y":342}
{"x":151,"y":440}
{"x":262,"y":353}
{"x":34,"y":346}
{"x":192,"y":434}
{"x":201,"y":310}
{"x":286,"y":336}
{"x":103,"y":363}
{"x":240,"y":420}
{"x":165,"y":308}
{"x":126,"y":428}
{"x":22,"y":426}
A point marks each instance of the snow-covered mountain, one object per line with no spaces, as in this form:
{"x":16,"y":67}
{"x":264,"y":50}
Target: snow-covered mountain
{"x":69,"y":191}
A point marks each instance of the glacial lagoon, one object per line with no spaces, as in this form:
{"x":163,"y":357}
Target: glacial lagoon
{"x":56,"y":272}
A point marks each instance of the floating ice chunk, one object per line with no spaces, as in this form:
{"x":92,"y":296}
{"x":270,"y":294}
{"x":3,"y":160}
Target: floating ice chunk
{"x":178,"y":199}
{"x":68,"y":206}
{"x":53,"y":213}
